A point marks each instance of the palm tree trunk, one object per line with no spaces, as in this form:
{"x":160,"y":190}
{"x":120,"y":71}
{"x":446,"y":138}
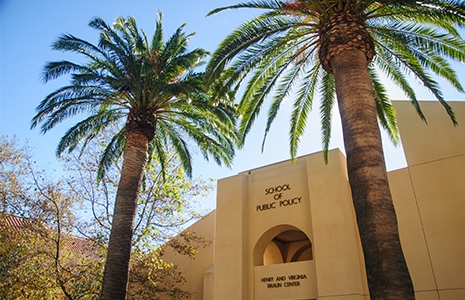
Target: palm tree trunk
{"x":387,"y":272}
{"x":116,"y":274}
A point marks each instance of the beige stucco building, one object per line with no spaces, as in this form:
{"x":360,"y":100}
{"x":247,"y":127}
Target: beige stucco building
{"x":287,"y":231}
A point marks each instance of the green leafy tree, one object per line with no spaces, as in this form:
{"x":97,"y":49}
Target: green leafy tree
{"x":15,"y":167}
{"x":151,"y":90}
{"x":63,"y":225}
{"x":40,"y":256}
{"x":336,"y":50}
{"x":22,"y":252}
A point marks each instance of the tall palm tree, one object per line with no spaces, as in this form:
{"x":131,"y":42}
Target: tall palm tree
{"x":151,"y":90}
{"x":336,"y":49}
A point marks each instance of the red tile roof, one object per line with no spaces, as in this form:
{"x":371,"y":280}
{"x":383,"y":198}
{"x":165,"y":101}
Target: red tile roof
{"x":74,"y":243}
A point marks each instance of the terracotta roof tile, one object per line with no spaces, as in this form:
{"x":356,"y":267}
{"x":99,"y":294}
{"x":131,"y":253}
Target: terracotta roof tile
{"x":75,"y":244}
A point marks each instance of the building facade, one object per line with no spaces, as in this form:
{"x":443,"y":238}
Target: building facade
{"x":288,"y":230}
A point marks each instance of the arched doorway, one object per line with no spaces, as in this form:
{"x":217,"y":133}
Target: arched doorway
{"x":282,"y":244}
{"x":283,"y":265}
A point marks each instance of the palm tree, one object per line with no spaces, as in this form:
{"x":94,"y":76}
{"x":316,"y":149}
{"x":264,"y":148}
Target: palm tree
{"x":149,"y":89}
{"x":337,"y":49}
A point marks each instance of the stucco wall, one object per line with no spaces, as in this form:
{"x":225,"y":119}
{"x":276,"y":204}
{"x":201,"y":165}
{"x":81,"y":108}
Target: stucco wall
{"x":429,"y":196}
{"x":194,"y":268}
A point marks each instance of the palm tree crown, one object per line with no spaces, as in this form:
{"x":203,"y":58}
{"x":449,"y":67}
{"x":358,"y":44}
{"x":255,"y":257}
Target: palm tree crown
{"x":288,"y":47}
{"x":151,"y":87}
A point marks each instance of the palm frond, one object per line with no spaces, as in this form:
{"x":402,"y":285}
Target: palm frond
{"x":272,"y":5}
{"x":384,"y":108}
{"x":89,"y":127}
{"x":113,"y":151}
{"x":328,"y":93}
{"x":245,"y":36}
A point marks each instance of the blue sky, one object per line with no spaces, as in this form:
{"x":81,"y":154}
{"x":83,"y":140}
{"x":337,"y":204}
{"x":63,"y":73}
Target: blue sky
{"x":28,"y":27}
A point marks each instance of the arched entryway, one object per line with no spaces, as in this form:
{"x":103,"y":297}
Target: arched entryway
{"x":283,"y":265}
{"x":282,"y":244}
